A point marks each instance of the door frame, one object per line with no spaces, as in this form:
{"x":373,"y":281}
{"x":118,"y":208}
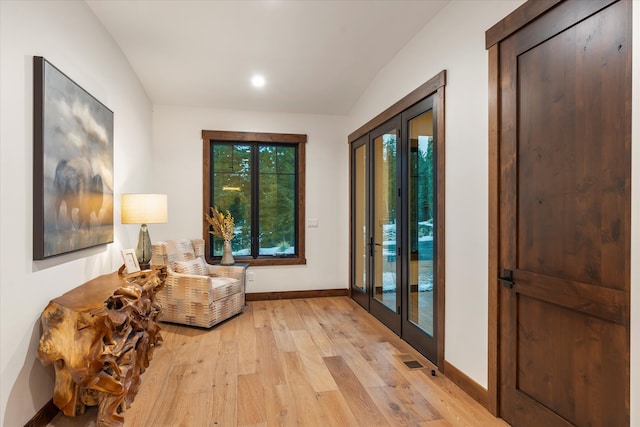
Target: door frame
{"x":520,"y":17}
{"x":434,"y":86}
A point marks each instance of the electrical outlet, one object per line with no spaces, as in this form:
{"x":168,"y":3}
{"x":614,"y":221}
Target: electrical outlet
{"x":250,"y":276}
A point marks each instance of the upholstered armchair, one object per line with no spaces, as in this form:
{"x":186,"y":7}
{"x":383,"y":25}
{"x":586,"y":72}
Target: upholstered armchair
{"x":197,"y":293}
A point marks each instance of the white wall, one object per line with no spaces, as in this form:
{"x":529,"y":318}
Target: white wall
{"x":454,"y":41}
{"x":178,"y":172}
{"x":70,"y":37}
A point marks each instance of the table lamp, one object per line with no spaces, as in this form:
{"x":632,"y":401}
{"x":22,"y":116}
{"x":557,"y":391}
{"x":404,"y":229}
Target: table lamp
{"x":143,"y":209}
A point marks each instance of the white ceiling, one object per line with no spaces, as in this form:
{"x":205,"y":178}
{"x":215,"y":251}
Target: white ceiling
{"x":317,"y":56}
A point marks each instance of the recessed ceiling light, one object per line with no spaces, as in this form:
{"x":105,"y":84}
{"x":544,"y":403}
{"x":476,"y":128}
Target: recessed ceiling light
{"x":257,"y":80}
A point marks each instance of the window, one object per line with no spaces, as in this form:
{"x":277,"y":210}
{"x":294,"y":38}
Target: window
{"x":259,"y":179}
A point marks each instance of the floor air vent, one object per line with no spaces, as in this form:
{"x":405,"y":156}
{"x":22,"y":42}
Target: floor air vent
{"x":413,"y":364}
{"x":409,"y":361}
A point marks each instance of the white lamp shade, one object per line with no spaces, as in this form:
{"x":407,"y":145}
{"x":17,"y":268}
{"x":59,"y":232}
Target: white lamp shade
{"x":143,"y":208}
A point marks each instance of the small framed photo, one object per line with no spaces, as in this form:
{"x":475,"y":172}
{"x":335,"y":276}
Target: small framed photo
{"x":130,"y":261}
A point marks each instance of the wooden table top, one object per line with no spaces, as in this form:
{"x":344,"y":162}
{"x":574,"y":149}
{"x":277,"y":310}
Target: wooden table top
{"x":92,"y":294}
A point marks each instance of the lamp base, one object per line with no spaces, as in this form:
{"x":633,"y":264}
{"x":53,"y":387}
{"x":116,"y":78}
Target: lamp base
{"x":143,"y":250}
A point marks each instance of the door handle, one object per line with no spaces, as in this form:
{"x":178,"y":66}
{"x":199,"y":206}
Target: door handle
{"x":507,"y":278}
{"x":371,"y":244}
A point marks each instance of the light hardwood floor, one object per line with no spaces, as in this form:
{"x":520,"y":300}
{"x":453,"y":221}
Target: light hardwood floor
{"x":305,"y":362}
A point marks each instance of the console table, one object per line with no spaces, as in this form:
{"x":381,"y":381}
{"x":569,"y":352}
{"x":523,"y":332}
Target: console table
{"x":100,"y":337}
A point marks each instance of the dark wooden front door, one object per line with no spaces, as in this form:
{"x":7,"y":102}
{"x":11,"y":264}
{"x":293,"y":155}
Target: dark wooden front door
{"x":564,"y":217}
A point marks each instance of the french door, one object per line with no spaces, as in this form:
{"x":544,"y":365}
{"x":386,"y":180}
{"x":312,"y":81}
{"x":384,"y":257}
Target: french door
{"x":420,"y":214}
{"x":375,"y":198}
{"x":394,"y":214}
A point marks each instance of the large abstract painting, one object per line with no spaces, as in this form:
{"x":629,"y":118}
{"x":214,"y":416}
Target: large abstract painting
{"x":73,"y":165}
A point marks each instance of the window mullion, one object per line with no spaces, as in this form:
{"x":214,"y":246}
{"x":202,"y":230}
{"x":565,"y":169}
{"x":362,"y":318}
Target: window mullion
{"x":255,"y":197}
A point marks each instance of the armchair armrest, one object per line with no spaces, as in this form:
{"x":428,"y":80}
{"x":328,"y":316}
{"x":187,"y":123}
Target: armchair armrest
{"x":188,"y":281}
{"x":212,"y":271}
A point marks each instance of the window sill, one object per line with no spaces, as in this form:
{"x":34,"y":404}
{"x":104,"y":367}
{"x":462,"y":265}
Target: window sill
{"x":264,"y":261}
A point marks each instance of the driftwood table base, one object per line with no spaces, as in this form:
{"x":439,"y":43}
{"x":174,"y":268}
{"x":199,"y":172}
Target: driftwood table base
{"x":100,"y":337}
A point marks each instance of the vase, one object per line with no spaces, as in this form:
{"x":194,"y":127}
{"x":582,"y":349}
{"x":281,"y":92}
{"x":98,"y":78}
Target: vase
{"x":227,"y":256}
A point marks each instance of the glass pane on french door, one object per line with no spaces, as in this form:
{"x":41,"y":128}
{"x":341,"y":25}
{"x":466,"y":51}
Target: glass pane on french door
{"x":384,"y":220}
{"x":421,"y":221}
{"x":361,"y":214}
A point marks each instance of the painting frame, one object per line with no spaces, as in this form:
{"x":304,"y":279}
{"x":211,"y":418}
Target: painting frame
{"x":72,"y":165}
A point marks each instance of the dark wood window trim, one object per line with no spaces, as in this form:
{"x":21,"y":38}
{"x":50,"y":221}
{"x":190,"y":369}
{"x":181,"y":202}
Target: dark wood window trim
{"x":208,"y":136}
{"x":434,"y":86}
{"x":431,"y":86}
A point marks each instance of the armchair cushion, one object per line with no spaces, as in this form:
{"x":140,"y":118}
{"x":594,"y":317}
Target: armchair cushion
{"x":196,"y":266}
{"x":222,"y":287}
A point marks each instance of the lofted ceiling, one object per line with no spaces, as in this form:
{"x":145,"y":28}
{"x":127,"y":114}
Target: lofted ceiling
{"x":317,"y":57}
